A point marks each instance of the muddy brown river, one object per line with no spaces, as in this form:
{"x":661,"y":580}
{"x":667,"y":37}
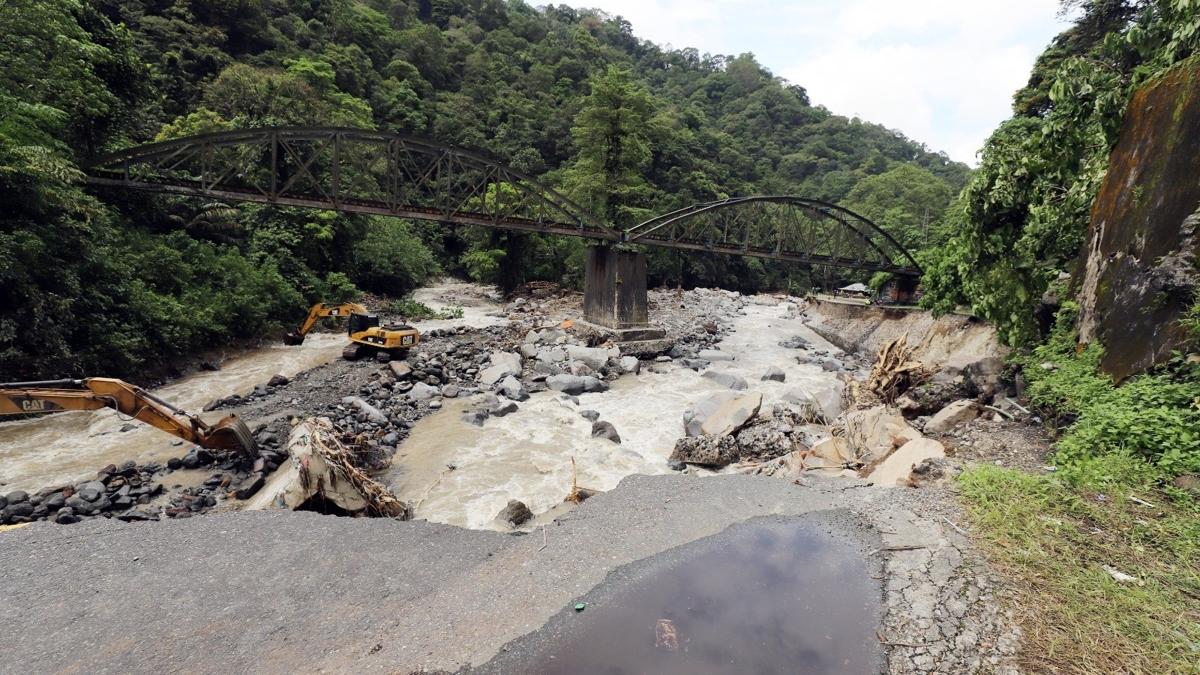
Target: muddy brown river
{"x":456,"y":473}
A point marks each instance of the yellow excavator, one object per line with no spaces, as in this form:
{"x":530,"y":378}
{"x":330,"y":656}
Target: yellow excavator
{"x":93,"y":393}
{"x":367,"y":337}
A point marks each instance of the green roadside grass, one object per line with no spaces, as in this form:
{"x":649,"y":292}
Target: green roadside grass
{"x":1056,"y":542}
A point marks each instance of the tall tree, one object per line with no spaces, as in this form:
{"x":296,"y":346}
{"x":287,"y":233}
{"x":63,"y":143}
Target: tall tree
{"x":612,"y":147}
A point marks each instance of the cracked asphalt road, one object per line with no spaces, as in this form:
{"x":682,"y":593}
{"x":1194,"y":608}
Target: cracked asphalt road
{"x":279,"y":592}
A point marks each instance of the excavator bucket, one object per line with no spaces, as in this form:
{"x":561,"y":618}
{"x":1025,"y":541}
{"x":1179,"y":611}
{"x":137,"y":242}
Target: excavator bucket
{"x":231,"y":433}
{"x":293,"y":339}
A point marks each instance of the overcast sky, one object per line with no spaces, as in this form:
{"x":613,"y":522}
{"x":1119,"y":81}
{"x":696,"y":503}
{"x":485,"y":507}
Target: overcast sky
{"x":941,"y":71}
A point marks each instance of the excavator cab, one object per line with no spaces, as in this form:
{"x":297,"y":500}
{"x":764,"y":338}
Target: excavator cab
{"x":360,"y":323}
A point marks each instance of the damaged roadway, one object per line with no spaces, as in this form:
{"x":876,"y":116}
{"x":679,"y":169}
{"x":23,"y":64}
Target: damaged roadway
{"x":284,"y":591}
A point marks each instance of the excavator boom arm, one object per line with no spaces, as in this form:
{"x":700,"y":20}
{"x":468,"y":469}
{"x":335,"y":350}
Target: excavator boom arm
{"x":320,"y":311}
{"x":100,"y":392}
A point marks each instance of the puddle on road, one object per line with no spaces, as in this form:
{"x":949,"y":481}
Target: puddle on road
{"x":770,"y":597}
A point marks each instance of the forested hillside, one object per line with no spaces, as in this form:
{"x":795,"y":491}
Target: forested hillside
{"x":117,"y":283}
{"x":1025,"y":211}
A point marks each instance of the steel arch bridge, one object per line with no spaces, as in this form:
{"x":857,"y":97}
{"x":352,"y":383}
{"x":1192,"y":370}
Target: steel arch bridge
{"x":373,"y":172}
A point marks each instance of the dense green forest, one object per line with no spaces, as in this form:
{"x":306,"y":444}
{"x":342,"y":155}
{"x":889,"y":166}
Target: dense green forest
{"x":119,"y":283}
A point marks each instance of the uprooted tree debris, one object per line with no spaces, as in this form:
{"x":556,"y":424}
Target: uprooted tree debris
{"x":324,"y":471}
{"x":895,"y":372}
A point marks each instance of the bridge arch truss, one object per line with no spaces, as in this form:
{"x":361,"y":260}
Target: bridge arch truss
{"x":352,"y":170}
{"x":779,"y":227}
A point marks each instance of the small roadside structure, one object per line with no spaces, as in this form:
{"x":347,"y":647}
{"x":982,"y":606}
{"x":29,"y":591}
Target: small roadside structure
{"x":856,"y":290}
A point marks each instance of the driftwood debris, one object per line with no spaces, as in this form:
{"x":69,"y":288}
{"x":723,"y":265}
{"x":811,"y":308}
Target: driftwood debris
{"x":895,"y":371}
{"x":578,"y":494}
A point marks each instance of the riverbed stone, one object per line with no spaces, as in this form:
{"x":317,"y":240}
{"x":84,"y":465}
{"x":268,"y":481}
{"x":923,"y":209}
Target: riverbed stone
{"x":568,"y":384}
{"x":795,"y":342}
{"x":594,"y":357}
{"x":714,"y":355}
{"x":249,"y":489}
{"x":400,"y":369}
{"x":694,"y":417}
{"x":723,"y":378}
{"x":423,"y":392}
{"x":373,"y":413}
{"x":774,"y":374}
{"x":512,"y":388}
{"x":515,"y":514}
{"x":503,"y":408}
{"x":503,"y":365}
{"x":589,"y":415}
{"x":631,"y":364}
{"x":575,"y":384}
{"x":16,"y":496}
{"x":551,"y":354}
{"x":822,"y":402}
{"x":604,"y":429}
{"x":475,"y":417}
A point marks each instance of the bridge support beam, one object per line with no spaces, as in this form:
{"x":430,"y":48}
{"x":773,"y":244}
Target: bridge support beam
{"x":614,"y":288}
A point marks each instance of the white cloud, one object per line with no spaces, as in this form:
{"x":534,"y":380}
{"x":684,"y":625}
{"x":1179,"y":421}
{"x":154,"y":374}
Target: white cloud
{"x":941,"y":71}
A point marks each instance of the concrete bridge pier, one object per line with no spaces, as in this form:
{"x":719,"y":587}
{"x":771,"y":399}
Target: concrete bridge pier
{"x":614,"y":292}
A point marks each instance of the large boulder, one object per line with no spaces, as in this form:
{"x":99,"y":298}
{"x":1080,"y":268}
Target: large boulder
{"x":694,"y":417}
{"x":732,"y":415}
{"x":830,"y":456}
{"x":824,"y":402}
{"x":896,"y":468}
{"x":953,"y":415}
{"x":726,"y":379}
{"x":503,"y":365}
{"x":1138,"y":268}
{"x":762,"y":442}
{"x":874,"y":433}
{"x":714,"y":451}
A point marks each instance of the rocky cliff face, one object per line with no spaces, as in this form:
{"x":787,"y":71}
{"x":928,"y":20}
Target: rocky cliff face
{"x":1139,"y":266}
